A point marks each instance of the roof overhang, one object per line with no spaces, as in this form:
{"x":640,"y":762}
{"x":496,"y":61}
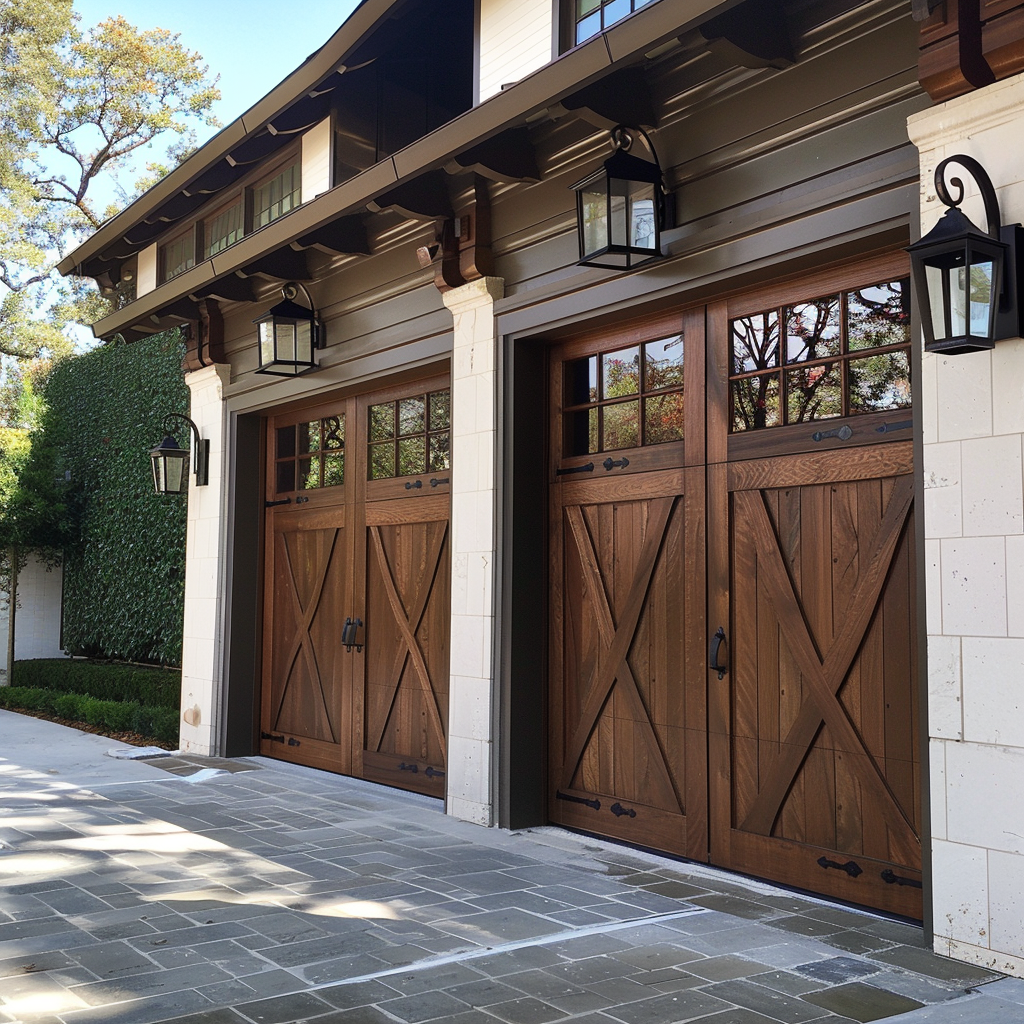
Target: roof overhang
{"x":622,"y":44}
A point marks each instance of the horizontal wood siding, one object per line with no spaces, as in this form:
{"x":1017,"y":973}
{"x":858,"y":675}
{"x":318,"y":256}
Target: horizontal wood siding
{"x":515,"y":39}
{"x":316,"y":160}
{"x":146,"y":277}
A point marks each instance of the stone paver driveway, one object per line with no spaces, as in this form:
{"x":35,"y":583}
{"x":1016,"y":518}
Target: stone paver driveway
{"x":254,"y":892}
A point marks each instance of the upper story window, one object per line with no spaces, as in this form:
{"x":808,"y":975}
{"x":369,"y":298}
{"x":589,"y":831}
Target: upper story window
{"x":591,"y":16}
{"x":223,"y":229}
{"x":277,"y":196}
{"x":177,"y":255}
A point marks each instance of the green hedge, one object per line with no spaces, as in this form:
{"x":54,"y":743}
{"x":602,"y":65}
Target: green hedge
{"x":124,"y":559}
{"x":113,"y":715}
{"x":108,"y":681}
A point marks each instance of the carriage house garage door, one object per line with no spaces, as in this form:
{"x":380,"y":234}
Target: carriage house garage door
{"x":356,"y":606}
{"x":732,"y":571}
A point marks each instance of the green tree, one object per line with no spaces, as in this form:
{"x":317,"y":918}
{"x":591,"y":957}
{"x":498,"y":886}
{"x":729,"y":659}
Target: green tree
{"x":76,"y":108}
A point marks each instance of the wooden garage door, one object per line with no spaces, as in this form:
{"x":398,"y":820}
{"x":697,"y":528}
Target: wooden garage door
{"x":769,"y":501}
{"x":628,"y":750}
{"x":355,"y":661}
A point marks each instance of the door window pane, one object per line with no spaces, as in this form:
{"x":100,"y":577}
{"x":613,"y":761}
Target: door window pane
{"x":310,"y":455}
{"x":410,"y":436}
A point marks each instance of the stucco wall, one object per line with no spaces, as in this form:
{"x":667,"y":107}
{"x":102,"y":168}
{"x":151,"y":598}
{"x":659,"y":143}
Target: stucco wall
{"x":973,"y":417}
{"x":38,"y":615}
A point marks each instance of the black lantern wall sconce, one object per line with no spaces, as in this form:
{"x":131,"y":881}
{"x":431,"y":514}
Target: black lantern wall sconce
{"x":967,"y":280}
{"x":170,"y":460}
{"x":289,"y":334}
{"x":622,"y":208}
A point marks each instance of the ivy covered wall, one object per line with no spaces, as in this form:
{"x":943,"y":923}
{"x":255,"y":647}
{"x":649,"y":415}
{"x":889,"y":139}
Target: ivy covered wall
{"x":124,"y":565}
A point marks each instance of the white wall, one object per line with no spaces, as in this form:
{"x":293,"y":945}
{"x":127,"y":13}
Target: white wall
{"x":316,"y":160}
{"x":37,"y":619}
{"x":146,"y":280}
{"x":973,"y":417}
{"x":515,"y":39}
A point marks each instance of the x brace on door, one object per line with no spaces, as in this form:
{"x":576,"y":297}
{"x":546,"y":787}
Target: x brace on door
{"x":407,"y":626}
{"x":824,"y":677}
{"x":616,"y":640}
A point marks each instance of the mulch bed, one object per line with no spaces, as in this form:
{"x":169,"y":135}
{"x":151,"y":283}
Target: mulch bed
{"x":133,"y":739}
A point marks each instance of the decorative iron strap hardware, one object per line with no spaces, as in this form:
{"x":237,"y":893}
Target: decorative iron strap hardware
{"x":434,"y":482}
{"x":714,"y":648}
{"x":415,"y":483}
{"x":348,"y":635}
{"x":888,"y":428}
{"x":618,"y":810}
{"x":433,"y":773}
{"x":271,"y":736}
{"x":610,"y":463}
{"x":280,"y":501}
{"x":414,"y":768}
{"x":301,"y":500}
{"x":293,"y":742}
{"x":596,"y":804}
{"x":891,"y":878}
{"x":588,"y":468}
{"x":851,"y":867}
{"x":844,"y":433}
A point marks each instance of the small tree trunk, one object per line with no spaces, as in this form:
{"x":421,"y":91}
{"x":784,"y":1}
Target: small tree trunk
{"x":12,"y":599}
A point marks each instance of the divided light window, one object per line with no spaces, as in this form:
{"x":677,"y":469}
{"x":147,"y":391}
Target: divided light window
{"x":177,"y":255}
{"x":311,"y":455}
{"x":226,"y":228}
{"x":626,"y":398}
{"x":591,"y":16}
{"x":410,"y":436}
{"x":276,"y":197}
{"x":837,"y":355}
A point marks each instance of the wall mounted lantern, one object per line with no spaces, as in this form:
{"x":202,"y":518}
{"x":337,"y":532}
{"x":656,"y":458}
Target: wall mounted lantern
{"x":288,"y":336}
{"x":966,"y":279}
{"x":622,"y":207}
{"x":170,"y":460}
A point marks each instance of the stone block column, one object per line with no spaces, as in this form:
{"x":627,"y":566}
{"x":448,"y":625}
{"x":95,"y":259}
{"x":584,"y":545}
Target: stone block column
{"x":473,"y":539}
{"x":202,"y":656}
{"x":972,"y":409}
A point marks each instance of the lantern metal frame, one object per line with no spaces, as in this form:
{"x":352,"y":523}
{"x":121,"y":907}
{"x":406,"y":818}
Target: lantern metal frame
{"x":955,"y":242}
{"x":624,"y":166}
{"x":289,"y":310}
{"x":169,"y":447}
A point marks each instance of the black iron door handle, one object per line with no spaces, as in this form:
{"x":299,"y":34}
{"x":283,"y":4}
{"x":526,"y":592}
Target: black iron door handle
{"x":715,"y":652}
{"x":348,"y":634}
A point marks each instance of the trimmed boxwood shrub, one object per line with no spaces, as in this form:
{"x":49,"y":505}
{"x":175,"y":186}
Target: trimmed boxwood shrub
{"x":111,"y":715}
{"x":156,"y":687}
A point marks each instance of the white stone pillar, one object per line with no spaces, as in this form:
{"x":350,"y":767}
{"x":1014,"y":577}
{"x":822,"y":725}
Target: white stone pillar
{"x":202,"y":656}
{"x":472,"y":693}
{"x":972,"y":410}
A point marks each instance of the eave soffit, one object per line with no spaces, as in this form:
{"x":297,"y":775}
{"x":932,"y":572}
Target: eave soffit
{"x":455,"y":146}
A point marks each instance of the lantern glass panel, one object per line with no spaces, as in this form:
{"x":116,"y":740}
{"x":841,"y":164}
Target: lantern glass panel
{"x":643,"y":223}
{"x":937,"y":287}
{"x":981,"y":288}
{"x":595,"y":221}
{"x":304,"y":341}
{"x":266,"y":342}
{"x":286,"y":342}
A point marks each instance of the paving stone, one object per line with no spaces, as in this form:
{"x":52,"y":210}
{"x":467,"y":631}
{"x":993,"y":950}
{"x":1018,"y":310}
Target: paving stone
{"x":856,"y":941}
{"x":424,"y":1006}
{"x":800,"y":925}
{"x":360,"y":993}
{"x":502,"y":926}
{"x":914,"y":986}
{"x":73,"y":901}
{"x":526,"y":1011}
{"x":741,"y":1015}
{"x":501,"y":964}
{"x":836,"y":970}
{"x":724,"y":968}
{"x":675,"y":1007}
{"x":486,"y":991}
{"x":735,"y":906}
{"x":282,"y":1009}
{"x":165,"y":1007}
{"x":776,"y":1005}
{"x":861,"y":1002}
{"x":340,"y":968}
{"x":785,"y":981}
{"x":676,"y":890}
{"x":650,"y":958}
{"x":921,"y":961}
{"x":113,"y":960}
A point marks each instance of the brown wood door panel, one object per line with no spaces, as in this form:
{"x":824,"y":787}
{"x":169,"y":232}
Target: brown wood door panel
{"x":820,"y":704}
{"x":405,"y":661}
{"x":628,"y":733}
{"x":305,"y":696}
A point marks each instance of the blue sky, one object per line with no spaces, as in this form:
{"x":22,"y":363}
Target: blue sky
{"x":252,"y":45}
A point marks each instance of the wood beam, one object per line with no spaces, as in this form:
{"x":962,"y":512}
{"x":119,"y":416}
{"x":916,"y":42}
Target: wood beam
{"x":623,"y":97}
{"x":753,"y":35}
{"x":423,"y":198}
{"x":345,"y":236}
{"x":283,"y":265}
{"x":508,"y":157}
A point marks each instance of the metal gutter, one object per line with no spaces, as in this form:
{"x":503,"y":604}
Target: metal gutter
{"x":623,"y":43}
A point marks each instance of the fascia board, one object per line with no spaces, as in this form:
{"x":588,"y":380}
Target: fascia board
{"x":650,"y":27}
{"x":359,"y":24}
